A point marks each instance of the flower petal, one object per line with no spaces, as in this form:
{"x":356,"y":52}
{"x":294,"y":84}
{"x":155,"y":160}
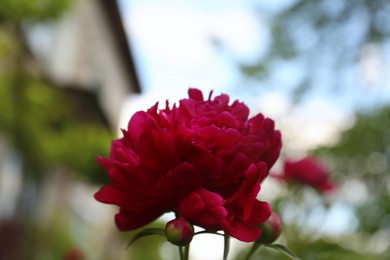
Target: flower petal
{"x":204,"y":208}
{"x":129,"y":220}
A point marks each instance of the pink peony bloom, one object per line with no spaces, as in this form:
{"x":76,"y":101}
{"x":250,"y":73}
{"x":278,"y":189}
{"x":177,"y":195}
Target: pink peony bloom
{"x":308,"y":171}
{"x":202,"y":159}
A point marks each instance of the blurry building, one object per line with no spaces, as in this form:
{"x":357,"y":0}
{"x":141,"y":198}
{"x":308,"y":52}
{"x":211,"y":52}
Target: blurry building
{"x":86,"y":56}
{"x":87,"y":51}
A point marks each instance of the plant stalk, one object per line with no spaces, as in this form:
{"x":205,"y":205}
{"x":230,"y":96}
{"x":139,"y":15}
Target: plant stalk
{"x":226,"y":247}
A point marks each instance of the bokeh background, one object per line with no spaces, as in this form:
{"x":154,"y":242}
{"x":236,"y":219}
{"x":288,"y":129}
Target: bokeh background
{"x":72,"y":73}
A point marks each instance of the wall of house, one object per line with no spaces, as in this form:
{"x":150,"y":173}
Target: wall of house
{"x":84,"y":54}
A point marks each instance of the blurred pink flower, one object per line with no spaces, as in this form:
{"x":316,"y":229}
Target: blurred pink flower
{"x":307,"y":171}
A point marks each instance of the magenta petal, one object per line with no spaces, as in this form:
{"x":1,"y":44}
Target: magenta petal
{"x":129,"y":220}
{"x":103,"y":162}
{"x":228,"y":138}
{"x":244,"y":232}
{"x":240,"y":110}
{"x":205,"y":161}
{"x":166,"y":149}
{"x":137,"y":125}
{"x":249,"y":231}
{"x":195,"y":94}
{"x":260,"y":212}
{"x":108,"y":194}
{"x":186,"y":175}
{"x":204,"y":208}
{"x":242,"y":201}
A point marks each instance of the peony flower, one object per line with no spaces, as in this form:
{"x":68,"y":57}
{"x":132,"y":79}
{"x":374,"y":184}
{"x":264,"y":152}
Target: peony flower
{"x":202,"y":159}
{"x":307,"y":171}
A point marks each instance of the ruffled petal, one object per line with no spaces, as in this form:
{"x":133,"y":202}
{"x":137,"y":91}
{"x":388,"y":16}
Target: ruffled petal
{"x":205,"y":209}
{"x":127,"y":220}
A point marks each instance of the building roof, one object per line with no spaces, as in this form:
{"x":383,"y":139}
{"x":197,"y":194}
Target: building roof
{"x":115,"y":21}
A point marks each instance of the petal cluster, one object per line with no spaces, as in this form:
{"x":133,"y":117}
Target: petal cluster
{"x":202,"y":159}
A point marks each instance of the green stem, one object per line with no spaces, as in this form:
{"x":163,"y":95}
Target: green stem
{"x":207,"y":232}
{"x":253,"y":249}
{"x":187,"y":252}
{"x":226,"y":247}
{"x":184,"y":252}
{"x":181,"y":252}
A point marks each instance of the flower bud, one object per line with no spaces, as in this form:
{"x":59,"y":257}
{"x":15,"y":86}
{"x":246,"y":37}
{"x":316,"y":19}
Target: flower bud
{"x":271,"y":229}
{"x":179,"y":231}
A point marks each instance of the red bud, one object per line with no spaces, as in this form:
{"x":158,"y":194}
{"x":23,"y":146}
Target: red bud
{"x":179,"y":231}
{"x":271,"y":228}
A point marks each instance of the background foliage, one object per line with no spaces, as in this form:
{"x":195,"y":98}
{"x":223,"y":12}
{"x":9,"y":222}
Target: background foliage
{"x":40,"y":126}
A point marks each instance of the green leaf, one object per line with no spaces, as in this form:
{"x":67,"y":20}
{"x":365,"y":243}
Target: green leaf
{"x":284,"y":250}
{"x":146,"y":232}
